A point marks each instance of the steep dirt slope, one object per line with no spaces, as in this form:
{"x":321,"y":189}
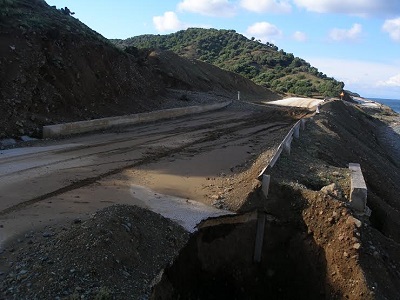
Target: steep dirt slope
{"x":53,"y":68}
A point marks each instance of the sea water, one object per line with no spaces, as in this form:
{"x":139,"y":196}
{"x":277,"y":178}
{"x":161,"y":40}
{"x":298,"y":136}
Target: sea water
{"x":392,"y":103}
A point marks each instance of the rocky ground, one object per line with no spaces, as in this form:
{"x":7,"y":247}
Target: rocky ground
{"x":116,"y":254}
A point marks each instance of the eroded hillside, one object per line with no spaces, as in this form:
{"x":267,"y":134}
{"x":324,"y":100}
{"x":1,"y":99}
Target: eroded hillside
{"x":55,"y":69}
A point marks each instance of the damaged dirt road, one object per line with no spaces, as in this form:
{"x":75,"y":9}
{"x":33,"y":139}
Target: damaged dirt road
{"x":199,"y":158}
{"x":314,"y":246}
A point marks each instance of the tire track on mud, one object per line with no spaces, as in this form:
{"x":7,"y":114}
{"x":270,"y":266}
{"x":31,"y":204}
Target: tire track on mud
{"x":211,"y":136}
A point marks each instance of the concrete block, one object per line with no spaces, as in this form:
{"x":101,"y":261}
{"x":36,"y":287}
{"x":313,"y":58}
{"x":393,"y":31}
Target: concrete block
{"x":358,"y":189}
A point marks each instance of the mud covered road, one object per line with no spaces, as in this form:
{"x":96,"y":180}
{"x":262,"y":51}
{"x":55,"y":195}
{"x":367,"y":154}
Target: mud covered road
{"x":194,"y":158}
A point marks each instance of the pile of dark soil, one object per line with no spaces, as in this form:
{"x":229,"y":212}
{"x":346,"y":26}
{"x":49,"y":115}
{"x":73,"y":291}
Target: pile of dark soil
{"x":114,"y":255}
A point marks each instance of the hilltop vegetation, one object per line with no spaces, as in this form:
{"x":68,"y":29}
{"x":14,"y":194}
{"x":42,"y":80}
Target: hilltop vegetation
{"x":265,"y":64}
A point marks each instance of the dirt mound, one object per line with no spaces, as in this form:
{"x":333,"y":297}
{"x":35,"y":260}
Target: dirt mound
{"x":179,"y":72}
{"x":115,"y":254}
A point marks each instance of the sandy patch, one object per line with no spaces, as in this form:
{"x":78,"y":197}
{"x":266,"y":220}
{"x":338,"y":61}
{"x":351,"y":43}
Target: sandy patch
{"x":297,"y":102}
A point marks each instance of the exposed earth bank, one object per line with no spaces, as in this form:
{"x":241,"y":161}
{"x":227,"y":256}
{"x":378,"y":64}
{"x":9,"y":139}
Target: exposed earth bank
{"x":55,"y":69}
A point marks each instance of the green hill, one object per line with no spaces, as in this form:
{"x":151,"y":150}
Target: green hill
{"x":265,"y":64}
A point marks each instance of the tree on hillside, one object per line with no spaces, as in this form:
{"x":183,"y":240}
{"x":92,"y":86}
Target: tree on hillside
{"x":66,"y":11}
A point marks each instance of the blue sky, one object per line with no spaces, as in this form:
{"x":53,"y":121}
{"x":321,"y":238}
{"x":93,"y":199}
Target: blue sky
{"x":357,"y":42}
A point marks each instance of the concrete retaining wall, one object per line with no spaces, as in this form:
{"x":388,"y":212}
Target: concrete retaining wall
{"x":100,"y":124}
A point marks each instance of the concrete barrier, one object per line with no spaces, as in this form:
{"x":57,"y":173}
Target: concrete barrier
{"x":101,"y":124}
{"x":358,"y":189}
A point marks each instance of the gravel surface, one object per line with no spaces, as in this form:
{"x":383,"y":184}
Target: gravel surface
{"x":116,"y":254}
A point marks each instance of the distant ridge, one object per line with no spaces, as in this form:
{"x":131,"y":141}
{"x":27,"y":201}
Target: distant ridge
{"x":263,"y":63}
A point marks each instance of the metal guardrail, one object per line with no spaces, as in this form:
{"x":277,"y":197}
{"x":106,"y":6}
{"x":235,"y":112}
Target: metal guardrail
{"x":284,"y":145}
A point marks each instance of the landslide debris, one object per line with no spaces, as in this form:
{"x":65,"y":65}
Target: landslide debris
{"x":113,"y":255}
{"x":55,"y":69}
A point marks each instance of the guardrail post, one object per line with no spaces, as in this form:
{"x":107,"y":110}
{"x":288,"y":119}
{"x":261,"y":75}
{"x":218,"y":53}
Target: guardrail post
{"x":259,"y":236}
{"x":303,"y":124}
{"x":296,"y":131}
{"x":265,"y":184}
{"x":287,"y":144}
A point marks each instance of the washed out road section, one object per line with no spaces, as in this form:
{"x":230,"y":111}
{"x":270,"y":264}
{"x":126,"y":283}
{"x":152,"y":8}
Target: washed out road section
{"x":195,"y":158}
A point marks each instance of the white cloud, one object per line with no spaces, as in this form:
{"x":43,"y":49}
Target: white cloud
{"x":264,"y":31}
{"x":355,"y":7}
{"x":393,"y":28}
{"x":351,"y":34}
{"x":208,"y":7}
{"x":269,"y":6}
{"x":300,"y":36}
{"x":392,"y":81}
{"x":363,"y":77}
{"x":168,"y":22}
